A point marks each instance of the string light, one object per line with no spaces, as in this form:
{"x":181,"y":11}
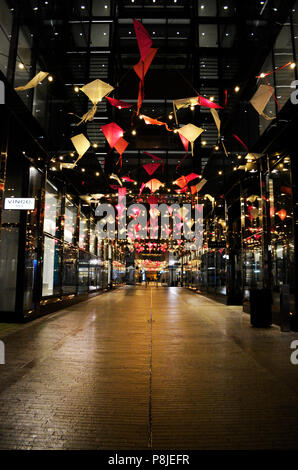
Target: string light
{"x":237,"y":89}
{"x":50,"y":78}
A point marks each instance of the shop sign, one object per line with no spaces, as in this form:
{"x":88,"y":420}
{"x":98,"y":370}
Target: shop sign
{"x":19,"y":203}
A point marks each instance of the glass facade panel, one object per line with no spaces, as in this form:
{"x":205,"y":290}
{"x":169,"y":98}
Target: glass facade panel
{"x":283,"y":53}
{"x":6,"y":17}
{"x":52,"y":210}
{"x":270,"y":109}
{"x":23,"y":69}
{"x":84,"y":235}
{"x":208,"y":35}
{"x":207,"y":8}
{"x":51,"y":263}
{"x":227,"y":35}
{"x":226,"y":8}
{"x":101,"y":7}
{"x":70,"y":221}
{"x":83,"y":272}
{"x":69,"y":279}
{"x":100,"y":35}
{"x":40,"y":102}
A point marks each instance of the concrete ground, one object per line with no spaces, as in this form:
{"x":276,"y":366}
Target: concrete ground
{"x":141,"y":368}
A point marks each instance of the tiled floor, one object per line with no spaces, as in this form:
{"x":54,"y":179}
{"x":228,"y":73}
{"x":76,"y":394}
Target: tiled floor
{"x":136,"y":368}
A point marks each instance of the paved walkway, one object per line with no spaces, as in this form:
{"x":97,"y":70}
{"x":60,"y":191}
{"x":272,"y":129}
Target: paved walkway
{"x":136,"y":368}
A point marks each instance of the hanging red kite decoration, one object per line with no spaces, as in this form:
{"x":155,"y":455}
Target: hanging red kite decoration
{"x":127,"y":179}
{"x":156,"y":159}
{"x":191,"y":176}
{"x":143,"y":38}
{"x":282,"y":214}
{"x":151,"y":168}
{"x":208,"y":103}
{"x":112,"y":133}
{"x":147,"y":55}
{"x":117,"y":103}
{"x":181,"y":182}
{"x":149,"y":120}
{"x":120,"y":147}
{"x":153,"y":185}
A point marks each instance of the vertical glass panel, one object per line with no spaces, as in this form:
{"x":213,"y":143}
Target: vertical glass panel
{"x":9,"y":241}
{"x":281,"y":218}
{"x":6,"y":17}
{"x":83,"y":272}
{"x":295,"y":26}
{"x":32,"y":240}
{"x":23,"y":70}
{"x":227,"y":35}
{"x":94,"y":273}
{"x":93,"y":241}
{"x":226,"y":8}
{"x":271,"y":106}
{"x":50,"y":276}
{"x":70,"y":221}
{"x":40,"y":101}
{"x":101,"y":7}
{"x":69,"y":280}
{"x":83,"y":237}
{"x":208,"y":35}
{"x":80,"y":34}
{"x":283,"y":53}
{"x":207,"y":8}
{"x":52,"y":210}
{"x":100,"y":35}
{"x":252,"y":234}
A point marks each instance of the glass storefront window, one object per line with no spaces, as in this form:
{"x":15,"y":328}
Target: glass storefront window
{"x":252,"y":234}
{"x":83,"y":272}
{"x":69,"y":279}
{"x":52,"y":210}
{"x":23,"y":69}
{"x":51,"y":263}
{"x":70,"y":221}
{"x":83,"y":236}
{"x":94,"y":273}
{"x":93,"y":240}
{"x":281,"y":219}
{"x":6,"y":17}
{"x":283,"y":53}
